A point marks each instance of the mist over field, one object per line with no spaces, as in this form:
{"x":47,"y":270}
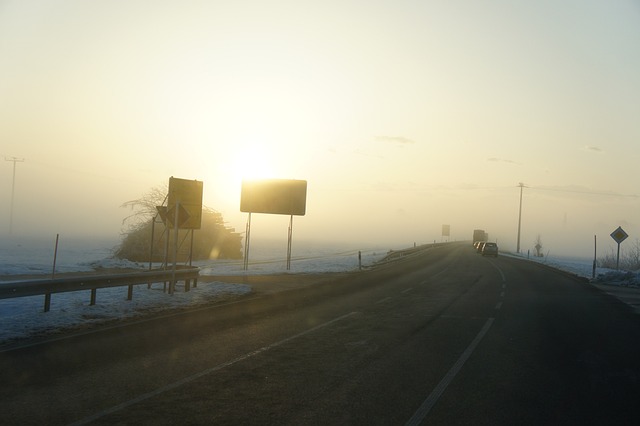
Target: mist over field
{"x":434,"y":121}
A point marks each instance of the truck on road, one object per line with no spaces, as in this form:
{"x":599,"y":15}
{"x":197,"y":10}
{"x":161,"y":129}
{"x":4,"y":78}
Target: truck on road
{"x":479,"y":235}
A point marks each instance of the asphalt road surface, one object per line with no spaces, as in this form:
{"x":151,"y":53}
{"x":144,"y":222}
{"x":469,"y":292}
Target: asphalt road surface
{"x":441,"y":336}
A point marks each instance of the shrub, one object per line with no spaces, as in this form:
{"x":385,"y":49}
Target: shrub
{"x":629,"y":257}
{"x":213,"y":240}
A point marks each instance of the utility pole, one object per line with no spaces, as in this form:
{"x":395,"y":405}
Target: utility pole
{"x":13,"y":188}
{"x":521,"y":185}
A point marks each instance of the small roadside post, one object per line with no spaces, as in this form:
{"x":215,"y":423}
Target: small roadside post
{"x":595,"y":255}
{"x":619,"y":236}
{"x":47,"y":296}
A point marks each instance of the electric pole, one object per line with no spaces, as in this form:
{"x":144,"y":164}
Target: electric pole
{"x":13,"y":188}
{"x":521,"y":185}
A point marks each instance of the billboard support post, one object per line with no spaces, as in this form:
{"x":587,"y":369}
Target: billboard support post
{"x":289,"y":238}
{"x":153,"y":231}
{"x":165,"y":264}
{"x":247,"y":237}
{"x":172,"y":284}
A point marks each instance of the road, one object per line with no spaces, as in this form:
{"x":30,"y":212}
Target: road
{"x":442,"y":336}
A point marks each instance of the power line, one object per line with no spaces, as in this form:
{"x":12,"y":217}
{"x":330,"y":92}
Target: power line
{"x":13,"y":188}
{"x":577,"y":191}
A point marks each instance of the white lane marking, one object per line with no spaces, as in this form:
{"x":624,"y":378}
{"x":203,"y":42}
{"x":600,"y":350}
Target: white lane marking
{"x":431,"y":400}
{"x":504,"y":279}
{"x":499,"y":306}
{"x":407,"y":290}
{"x":461,"y":317}
{"x":504,"y":286}
{"x":384,"y":300}
{"x":442,"y":272}
{"x":203,"y":373}
{"x":502,"y":294}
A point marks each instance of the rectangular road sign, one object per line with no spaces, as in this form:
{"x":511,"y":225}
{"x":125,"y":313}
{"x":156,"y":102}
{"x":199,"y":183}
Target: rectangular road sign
{"x":188,"y":194}
{"x":274,"y":196}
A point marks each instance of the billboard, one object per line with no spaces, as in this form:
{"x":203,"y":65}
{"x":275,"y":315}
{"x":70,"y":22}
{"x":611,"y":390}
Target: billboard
{"x":274,"y":196}
{"x":186,"y":195}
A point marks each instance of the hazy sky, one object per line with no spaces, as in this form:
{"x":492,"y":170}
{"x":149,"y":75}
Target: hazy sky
{"x":402,"y":115}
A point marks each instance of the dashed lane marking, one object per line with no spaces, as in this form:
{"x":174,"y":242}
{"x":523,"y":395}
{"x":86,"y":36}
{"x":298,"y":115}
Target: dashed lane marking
{"x":504,"y":279}
{"x":431,"y":400}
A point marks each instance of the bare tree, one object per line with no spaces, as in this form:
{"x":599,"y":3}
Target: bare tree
{"x":143,"y":209}
{"x":629,"y":257}
{"x":213,"y":240}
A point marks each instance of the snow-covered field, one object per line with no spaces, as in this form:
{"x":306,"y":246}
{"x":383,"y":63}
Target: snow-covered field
{"x":24,"y":317}
{"x":584,"y":268}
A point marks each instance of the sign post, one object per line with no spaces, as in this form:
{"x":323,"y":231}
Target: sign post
{"x":619,"y":236}
{"x":595,"y":255}
{"x":183,"y":211}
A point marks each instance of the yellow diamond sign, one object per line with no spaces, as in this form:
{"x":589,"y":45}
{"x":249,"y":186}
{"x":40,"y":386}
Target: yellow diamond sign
{"x":619,"y":235}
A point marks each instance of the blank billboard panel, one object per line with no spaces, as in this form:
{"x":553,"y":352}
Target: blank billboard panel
{"x":274,"y":196}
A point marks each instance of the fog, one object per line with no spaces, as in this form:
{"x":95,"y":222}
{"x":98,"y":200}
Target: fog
{"x":566,"y":220}
{"x":401,"y":117}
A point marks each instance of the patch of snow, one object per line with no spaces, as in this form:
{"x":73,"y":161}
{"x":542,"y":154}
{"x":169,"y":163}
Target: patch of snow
{"x":25,"y":317}
{"x":584,"y":268}
{"x":620,"y":278}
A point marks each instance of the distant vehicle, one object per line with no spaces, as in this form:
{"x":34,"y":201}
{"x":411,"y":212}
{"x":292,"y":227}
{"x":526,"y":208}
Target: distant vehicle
{"x":490,"y":249}
{"x":479,"y":235}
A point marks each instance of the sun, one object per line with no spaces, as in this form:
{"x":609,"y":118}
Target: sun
{"x":254,"y":162}
{"x":243,"y":161}
{"x":251,"y":159}
{"x":251,"y":153}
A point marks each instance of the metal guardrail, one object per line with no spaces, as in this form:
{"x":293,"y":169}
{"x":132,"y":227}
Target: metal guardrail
{"x":47,"y":287}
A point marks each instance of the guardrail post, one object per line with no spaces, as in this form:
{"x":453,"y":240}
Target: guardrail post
{"x":130,"y":293}
{"x":93,"y":297}
{"x":47,"y":302}
{"x":187,"y":285}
